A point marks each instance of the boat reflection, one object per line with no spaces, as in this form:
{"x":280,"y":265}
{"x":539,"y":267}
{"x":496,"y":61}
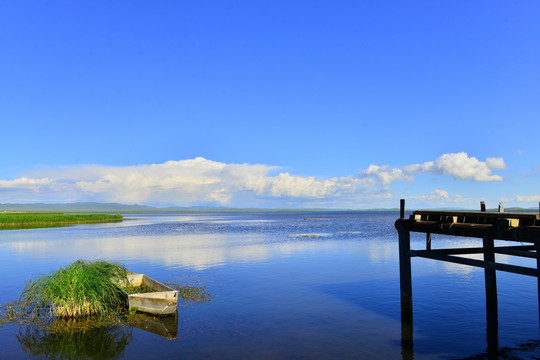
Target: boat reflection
{"x":166,"y":326}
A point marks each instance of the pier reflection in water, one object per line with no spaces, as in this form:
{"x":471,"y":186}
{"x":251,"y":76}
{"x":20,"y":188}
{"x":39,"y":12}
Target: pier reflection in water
{"x":527,"y":350}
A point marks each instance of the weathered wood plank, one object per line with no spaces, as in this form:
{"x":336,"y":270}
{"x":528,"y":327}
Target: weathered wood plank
{"x":497,"y":231}
{"x":498,"y":215}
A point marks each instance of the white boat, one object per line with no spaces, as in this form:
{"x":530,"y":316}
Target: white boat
{"x":162,"y":301}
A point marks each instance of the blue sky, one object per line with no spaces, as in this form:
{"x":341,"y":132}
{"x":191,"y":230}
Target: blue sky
{"x":289,"y":104}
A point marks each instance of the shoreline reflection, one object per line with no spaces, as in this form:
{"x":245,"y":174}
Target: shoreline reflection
{"x":197,"y":251}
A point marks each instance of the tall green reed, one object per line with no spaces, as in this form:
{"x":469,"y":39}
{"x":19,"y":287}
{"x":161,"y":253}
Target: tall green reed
{"x":80,"y":289}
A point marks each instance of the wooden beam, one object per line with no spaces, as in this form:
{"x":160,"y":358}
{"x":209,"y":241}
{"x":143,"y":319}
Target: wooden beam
{"x":523,"y":251}
{"x":474,"y":262}
{"x":520,"y":250}
{"x":491,"y":215}
{"x":519,"y":233}
{"x":457,"y":251}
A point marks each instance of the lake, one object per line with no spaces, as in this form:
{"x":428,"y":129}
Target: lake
{"x":284,"y":285}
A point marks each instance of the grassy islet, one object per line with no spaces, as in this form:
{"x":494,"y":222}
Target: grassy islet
{"x":33,"y":220}
{"x":80,"y":289}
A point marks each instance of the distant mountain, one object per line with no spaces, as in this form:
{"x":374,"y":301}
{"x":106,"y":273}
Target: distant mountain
{"x":518,"y":209}
{"x":77,"y":207}
{"x":123,"y":208}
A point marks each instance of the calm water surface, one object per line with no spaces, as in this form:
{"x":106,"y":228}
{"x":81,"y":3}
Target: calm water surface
{"x":285,"y":286}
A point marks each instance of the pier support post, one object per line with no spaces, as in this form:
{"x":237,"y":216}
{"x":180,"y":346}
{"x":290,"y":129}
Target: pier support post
{"x":490,"y":276}
{"x":537,"y":245}
{"x":405,"y":283}
{"x":405,"y":278}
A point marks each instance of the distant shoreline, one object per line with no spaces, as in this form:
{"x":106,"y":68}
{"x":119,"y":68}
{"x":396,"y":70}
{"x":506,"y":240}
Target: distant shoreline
{"x":107,"y":208}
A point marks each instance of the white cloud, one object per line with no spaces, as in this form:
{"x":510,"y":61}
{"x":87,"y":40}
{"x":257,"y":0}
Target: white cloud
{"x":528,"y":198}
{"x":288,"y":185}
{"x":495,"y":163}
{"x":385,"y":174}
{"x":440,"y":197}
{"x":458,"y":165}
{"x":438,"y":194}
{"x":26,"y":183}
{"x":461,"y":166}
{"x":185,"y":182}
{"x":205,"y":182}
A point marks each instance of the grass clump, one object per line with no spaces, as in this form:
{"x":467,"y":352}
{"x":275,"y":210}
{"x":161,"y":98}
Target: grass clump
{"x":80,"y":289}
{"x":139,"y":289}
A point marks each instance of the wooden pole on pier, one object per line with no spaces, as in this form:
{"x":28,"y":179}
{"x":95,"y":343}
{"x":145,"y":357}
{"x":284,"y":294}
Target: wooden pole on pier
{"x":482,"y":206}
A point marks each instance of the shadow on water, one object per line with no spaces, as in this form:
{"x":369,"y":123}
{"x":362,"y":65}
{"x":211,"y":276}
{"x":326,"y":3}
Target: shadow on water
{"x":386,"y":302}
{"x":95,"y":343}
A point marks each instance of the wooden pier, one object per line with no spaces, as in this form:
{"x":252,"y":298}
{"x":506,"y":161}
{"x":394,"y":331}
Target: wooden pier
{"x":488,"y":226}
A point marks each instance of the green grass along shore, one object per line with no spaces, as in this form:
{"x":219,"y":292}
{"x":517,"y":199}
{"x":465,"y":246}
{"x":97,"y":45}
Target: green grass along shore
{"x":23,"y":220}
